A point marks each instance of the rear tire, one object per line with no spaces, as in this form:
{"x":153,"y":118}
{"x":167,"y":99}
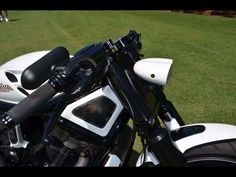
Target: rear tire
{"x":220,"y":153}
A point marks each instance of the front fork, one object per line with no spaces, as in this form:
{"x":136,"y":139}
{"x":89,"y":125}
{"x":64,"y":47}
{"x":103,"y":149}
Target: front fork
{"x":173,"y":121}
{"x":168,"y":114}
{"x":158,"y":138}
{"x":160,"y":143}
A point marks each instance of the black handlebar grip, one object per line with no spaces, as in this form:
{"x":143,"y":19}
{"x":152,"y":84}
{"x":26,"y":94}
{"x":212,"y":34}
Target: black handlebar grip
{"x":37,"y":73}
{"x":27,"y":106}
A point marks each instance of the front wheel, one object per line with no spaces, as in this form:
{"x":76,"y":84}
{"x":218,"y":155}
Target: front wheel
{"x":220,"y":153}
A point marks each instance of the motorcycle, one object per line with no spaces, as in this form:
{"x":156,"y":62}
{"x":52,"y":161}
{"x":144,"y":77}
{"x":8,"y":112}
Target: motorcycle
{"x":75,"y":110}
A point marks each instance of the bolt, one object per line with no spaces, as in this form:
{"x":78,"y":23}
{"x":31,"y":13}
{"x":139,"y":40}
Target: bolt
{"x":82,"y":154}
{"x":46,"y":164}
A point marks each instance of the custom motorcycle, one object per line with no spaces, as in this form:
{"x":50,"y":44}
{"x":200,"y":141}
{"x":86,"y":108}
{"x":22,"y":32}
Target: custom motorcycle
{"x":86,"y":110}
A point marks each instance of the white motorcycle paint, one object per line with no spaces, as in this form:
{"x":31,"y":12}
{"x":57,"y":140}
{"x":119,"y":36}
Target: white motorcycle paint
{"x":172,"y":124}
{"x":154,"y":70}
{"x":16,"y":66}
{"x":23,"y":61}
{"x":113,"y":161}
{"x":105,"y":91}
{"x":213,"y":132}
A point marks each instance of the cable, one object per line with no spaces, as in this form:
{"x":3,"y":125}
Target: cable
{"x":144,"y":148}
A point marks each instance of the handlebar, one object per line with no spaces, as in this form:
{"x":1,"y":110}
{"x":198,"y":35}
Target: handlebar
{"x":37,"y":73}
{"x":61,"y":81}
{"x":27,"y":106}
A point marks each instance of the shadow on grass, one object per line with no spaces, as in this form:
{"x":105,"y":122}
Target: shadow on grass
{"x":11,"y":20}
{"x":17,"y":19}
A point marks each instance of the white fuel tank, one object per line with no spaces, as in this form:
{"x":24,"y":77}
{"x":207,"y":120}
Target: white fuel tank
{"x":11,"y":90}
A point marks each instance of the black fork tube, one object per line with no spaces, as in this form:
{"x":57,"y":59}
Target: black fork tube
{"x":160,"y":142}
{"x":158,"y":138}
{"x":167,"y":105}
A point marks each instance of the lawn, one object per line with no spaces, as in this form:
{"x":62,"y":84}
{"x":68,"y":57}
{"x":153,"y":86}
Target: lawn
{"x":203,"y":83}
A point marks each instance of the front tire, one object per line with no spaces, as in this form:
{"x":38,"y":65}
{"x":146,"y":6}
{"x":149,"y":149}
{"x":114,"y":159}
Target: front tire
{"x":220,"y":153}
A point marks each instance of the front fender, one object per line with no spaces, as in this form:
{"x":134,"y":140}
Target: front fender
{"x":210,"y":132}
{"x":192,"y":135}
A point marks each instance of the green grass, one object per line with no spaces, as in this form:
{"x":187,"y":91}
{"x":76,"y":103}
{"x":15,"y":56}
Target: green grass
{"x":203,"y":84}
